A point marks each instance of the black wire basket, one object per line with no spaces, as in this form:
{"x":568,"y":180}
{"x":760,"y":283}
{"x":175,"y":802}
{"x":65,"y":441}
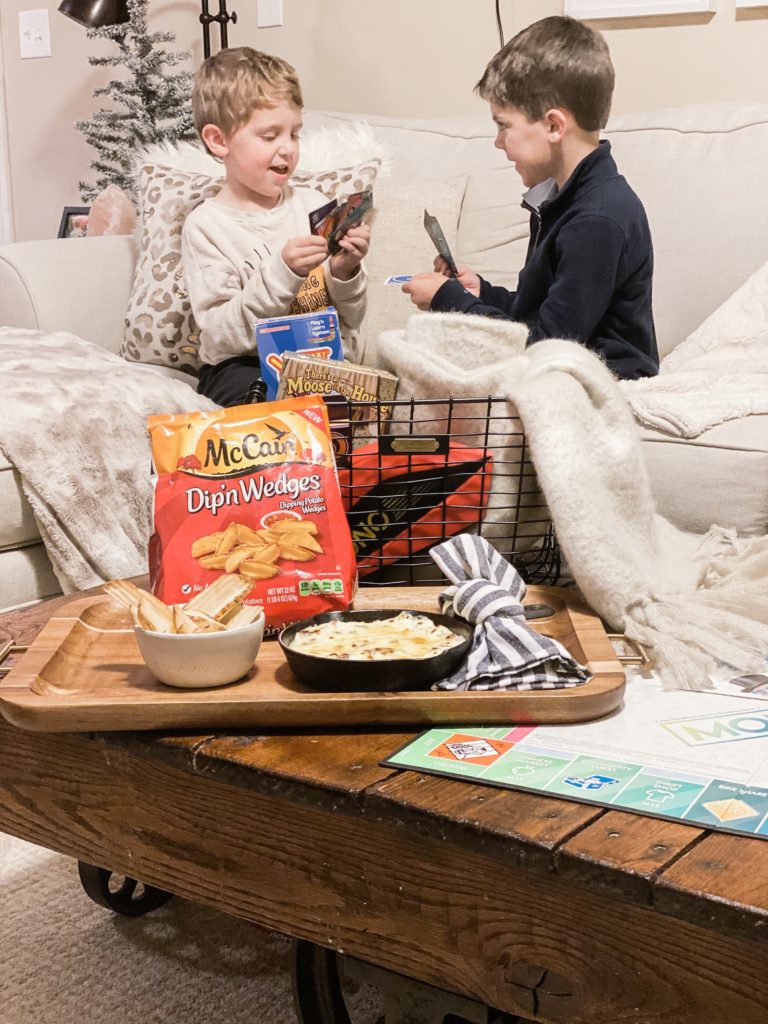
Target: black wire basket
{"x":416,"y":472}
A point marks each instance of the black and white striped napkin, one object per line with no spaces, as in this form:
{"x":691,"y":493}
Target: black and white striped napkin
{"x":506,"y":653}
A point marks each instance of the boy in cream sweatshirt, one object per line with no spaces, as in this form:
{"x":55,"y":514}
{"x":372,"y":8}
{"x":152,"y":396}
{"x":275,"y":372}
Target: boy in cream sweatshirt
{"x":247,"y":251}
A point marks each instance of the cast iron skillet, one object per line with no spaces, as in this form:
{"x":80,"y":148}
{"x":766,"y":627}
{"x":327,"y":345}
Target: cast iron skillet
{"x":338,"y":675}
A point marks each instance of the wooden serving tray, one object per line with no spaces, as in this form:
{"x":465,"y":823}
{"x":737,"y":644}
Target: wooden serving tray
{"x":84,"y":673}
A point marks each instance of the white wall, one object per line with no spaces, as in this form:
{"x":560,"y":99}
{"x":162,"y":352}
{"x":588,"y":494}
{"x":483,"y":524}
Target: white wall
{"x":429,"y":54}
{"x":6,"y":217}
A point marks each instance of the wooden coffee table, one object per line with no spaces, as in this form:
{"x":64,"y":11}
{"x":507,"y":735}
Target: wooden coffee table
{"x":556,"y":911}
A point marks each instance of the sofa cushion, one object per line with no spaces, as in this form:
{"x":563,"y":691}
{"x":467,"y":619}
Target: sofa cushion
{"x":17,"y":523}
{"x":159,"y":326}
{"x":440,"y":147}
{"x":401,"y":245}
{"x":494,"y":227}
{"x":25,"y":576}
{"x":696,"y":170}
{"x":80,"y":285}
{"x":719,"y":477}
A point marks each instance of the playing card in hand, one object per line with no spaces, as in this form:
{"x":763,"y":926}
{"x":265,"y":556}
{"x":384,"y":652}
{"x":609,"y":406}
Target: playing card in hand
{"x":332,"y":221}
{"x":437,"y":235}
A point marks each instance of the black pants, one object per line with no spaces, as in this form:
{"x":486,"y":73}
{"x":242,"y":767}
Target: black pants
{"x":227,"y":383}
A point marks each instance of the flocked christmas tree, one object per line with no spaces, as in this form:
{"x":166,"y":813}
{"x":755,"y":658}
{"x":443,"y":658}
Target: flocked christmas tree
{"x":150,"y":104}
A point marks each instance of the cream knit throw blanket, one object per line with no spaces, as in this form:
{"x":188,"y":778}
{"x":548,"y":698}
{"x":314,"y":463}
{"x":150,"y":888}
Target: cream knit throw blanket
{"x":717,"y":374}
{"x":686,"y":404}
{"x":74,"y":426}
{"x":696,"y":601}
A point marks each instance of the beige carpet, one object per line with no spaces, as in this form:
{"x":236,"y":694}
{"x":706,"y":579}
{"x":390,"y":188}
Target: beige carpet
{"x":65,"y":960}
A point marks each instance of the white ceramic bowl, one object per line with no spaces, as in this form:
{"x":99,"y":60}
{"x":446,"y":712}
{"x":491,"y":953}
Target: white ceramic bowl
{"x":197,"y":660}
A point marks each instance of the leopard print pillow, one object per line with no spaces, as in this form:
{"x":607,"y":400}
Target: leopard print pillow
{"x":159,"y":325}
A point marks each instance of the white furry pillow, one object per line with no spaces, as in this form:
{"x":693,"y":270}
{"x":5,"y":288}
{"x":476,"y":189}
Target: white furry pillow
{"x":159,"y":326}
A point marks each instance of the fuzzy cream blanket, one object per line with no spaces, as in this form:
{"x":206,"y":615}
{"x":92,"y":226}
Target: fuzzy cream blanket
{"x":719,"y":373}
{"x":686,"y":404}
{"x":74,"y":426}
{"x":695,"y":601}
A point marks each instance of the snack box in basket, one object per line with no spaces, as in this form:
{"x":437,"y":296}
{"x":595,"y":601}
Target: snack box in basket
{"x":316,"y":334}
{"x":305,"y":375}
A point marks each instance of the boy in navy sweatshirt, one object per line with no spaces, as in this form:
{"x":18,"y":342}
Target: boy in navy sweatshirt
{"x":589,"y":268}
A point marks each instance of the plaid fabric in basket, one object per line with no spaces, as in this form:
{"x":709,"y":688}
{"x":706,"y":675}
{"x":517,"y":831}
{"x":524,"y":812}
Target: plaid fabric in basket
{"x":506,"y":653}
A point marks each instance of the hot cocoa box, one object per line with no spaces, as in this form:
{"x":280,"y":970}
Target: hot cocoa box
{"x":304,"y":375}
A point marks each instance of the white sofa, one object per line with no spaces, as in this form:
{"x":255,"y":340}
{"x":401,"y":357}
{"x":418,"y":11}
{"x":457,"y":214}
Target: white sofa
{"x":699,"y":171}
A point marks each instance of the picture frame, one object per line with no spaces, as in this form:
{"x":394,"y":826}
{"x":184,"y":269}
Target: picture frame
{"x":68,"y":225}
{"x":593,"y":10}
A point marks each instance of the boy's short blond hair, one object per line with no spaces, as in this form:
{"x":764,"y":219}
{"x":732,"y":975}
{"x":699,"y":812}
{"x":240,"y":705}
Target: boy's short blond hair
{"x":556,"y":62}
{"x":233,"y":83}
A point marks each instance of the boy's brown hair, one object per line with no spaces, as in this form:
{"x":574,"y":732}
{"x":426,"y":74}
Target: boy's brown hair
{"x":556,"y":62}
{"x":233,"y":83}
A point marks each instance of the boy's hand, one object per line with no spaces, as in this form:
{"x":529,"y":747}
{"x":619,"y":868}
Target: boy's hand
{"x":467,"y":278}
{"x":422,"y":288}
{"x":354,"y":245}
{"x":303,"y":254}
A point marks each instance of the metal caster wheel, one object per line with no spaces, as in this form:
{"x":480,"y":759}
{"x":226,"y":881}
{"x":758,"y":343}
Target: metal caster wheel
{"x":320,"y":977}
{"x":120,"y":894}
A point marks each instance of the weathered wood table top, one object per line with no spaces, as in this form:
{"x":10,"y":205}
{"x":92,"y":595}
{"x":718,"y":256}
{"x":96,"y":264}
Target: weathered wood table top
{"x":554,"y":910}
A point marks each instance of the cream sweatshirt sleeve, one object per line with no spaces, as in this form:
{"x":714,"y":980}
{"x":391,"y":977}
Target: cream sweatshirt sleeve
{"x":349,"y":297}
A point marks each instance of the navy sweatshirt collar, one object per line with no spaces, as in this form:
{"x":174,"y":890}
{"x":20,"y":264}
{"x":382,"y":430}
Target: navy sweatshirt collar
{"x":593,"y":170}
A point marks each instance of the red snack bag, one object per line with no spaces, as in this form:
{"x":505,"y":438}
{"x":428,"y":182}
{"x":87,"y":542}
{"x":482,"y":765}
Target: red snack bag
{"x":251,"y":490}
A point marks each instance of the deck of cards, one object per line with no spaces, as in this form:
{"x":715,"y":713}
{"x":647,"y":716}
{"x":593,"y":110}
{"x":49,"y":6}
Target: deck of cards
{"x":333,"y":220}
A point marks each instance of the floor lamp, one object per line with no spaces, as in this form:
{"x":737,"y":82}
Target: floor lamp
{"x":97,"y":13}
{"x":223,"y":18}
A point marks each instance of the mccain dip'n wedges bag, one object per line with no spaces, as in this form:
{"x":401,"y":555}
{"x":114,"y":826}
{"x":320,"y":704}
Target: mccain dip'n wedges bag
{"x":251,"y":490}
